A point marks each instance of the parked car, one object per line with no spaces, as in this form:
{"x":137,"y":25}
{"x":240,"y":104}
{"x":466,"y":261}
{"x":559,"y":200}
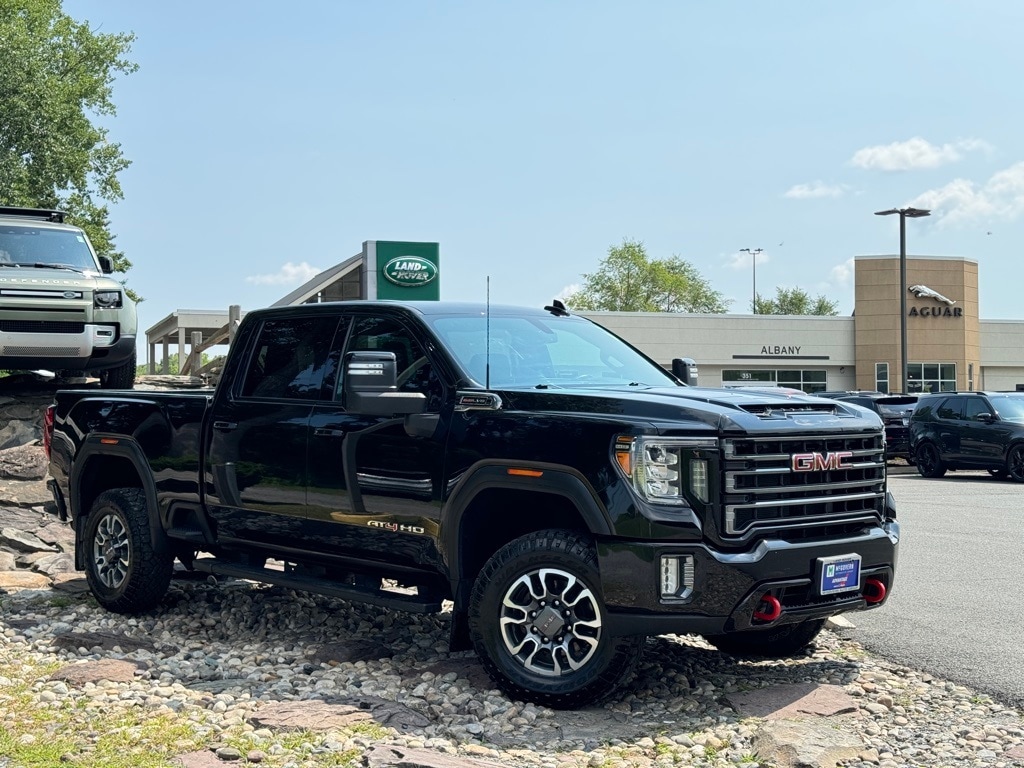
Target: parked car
{"x":969,"y":430}
{"x":895,"y":411}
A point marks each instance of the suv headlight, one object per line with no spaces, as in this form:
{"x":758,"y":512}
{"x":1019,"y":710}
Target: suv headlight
{"x":665,"y":470}
{"x":107,"y":299}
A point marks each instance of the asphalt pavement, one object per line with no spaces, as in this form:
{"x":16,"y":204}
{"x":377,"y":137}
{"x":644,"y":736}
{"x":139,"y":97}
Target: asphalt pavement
{"x":956,"y":607}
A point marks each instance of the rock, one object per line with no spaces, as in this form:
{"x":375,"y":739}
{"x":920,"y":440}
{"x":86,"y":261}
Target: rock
{"x":22,"y":541}
{"x":817,"y":743}
{"x":73,"y":583}
{"x":789,"y":701}
{"x":18,"y":433}
{"x":23,"y":462}
{"x":202,"y":759}
{"x":354,"y":650}
{"x":24,"y":493}
{"x":23,"y":580}
{"x":310,"y":715}
{"x":383,"y":756}
{"x":51,"y":565}
{"x":112,"y":670}
{"x":7,"y":562}
{"x":105,"y":640}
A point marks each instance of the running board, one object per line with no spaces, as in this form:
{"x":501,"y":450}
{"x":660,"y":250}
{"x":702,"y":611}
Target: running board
{"x":382,"y":597}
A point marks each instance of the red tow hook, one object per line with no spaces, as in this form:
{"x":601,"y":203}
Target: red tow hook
{"x":769,"y":609}
{"x":874,"y":591}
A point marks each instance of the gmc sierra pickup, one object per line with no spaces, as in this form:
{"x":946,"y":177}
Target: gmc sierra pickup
{"x":566,"y":493}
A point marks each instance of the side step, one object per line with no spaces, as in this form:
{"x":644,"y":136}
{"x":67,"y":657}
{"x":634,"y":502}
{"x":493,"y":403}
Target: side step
{"x":388,"y":599}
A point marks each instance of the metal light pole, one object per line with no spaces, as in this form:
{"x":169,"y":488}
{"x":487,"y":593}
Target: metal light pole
{"x":753,"y":263}
{"x":913,"y":213}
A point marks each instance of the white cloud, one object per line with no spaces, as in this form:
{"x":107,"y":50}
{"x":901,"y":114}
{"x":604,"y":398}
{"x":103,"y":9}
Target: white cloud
{"x":962,"y":201}
{"x":289,"y":274}
{"x":842,"y":274}
{"x":568,"y":290}
{"x":741,"y":260}
{"x":815,"y":189}
{"x":914,"y":154}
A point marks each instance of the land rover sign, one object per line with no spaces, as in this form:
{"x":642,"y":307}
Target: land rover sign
{"x":410,"y":271}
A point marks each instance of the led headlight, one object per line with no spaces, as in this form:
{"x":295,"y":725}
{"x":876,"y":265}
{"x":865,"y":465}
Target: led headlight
{"x":666,"y":469}
{"x":107,"y":299}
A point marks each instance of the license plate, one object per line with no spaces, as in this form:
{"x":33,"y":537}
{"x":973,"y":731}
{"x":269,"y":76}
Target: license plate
{"x":840,"y":573}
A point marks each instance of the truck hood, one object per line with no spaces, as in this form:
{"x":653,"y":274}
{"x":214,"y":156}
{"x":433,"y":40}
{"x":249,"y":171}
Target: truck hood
{"x":735,"y":411}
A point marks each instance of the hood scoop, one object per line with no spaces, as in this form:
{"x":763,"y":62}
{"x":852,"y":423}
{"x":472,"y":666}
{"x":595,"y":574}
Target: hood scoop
{"x":783,"y":410}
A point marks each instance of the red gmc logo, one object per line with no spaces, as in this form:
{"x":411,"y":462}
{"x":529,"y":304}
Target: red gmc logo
{"x":817,"y":462}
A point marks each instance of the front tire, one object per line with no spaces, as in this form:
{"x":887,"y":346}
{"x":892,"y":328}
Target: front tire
{"x":774,"y":643}
{"x":125,"y":572}
{"x":929,"y":462}
{"x":121,"y":377}
{"x":538,"y":623}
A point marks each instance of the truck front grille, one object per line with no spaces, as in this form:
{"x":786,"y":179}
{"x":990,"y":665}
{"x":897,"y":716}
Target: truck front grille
{"x":778,"y":483}
{"x":41,"y":326}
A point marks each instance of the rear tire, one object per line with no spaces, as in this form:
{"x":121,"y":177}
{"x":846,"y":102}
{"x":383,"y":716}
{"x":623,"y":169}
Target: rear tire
{"x":538,"y":623}
{"x":929,"y":463}
{"x":125,"y":572}
{"x":1015,"y":463}
{"x":774,"y":643}
{"x":121,"y":377}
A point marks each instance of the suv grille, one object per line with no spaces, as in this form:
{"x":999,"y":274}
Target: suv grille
{"x":844,"y":483}
{"x":41,"y":326}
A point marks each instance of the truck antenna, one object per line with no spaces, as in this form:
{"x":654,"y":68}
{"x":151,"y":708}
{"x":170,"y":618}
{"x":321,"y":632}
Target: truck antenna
{"x":487,"y":348}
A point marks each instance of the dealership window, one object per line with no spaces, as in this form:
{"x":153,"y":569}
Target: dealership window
{"x":808,"y":381}
{"x":931,"y":377}
{"x":882,"y":377}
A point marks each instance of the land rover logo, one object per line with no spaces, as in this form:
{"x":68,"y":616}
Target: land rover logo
{"x":410,"y":271}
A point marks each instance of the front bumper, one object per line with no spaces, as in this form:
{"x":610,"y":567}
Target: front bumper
{"x":729,"y":587}
{"x":96,"y":348}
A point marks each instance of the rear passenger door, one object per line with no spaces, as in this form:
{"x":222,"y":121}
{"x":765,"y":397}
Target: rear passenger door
{"x":256,"y":461}
{"x":949,"y":426}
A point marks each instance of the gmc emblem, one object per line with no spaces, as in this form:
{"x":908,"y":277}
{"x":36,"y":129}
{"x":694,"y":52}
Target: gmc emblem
{"x":815,"y":462}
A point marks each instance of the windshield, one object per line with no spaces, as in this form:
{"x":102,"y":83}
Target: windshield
{"x":40,"y":245}
{"x":1010,"y":407}
{"x":539,"y":351}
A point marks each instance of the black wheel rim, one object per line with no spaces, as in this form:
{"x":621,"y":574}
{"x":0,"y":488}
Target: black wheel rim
{"x":1015,"y":465}
{"x":550,"y":622}
{"x":111,"y":551}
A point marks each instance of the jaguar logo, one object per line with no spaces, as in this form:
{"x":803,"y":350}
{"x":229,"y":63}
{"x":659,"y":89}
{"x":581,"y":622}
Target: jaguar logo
{"x":820,"y":462}
{"x":923,"y":291}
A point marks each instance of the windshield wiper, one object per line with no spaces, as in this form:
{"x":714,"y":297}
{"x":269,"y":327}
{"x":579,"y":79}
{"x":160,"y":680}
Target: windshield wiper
{"x":41,"y":265}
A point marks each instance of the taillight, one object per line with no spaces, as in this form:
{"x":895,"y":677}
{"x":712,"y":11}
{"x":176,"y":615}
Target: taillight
{"x":48,"y":429}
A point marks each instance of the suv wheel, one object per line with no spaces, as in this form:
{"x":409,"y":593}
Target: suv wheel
{"x":121,"y":377}
{"x":1015,"y":463}
{"x":929,"y":463}
{"x":539,"y":626}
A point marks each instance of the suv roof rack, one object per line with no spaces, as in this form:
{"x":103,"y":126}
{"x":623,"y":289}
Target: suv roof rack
{"x":42,"y":214}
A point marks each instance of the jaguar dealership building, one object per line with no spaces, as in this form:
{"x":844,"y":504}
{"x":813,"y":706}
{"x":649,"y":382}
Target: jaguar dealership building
{"x":948,"y":346}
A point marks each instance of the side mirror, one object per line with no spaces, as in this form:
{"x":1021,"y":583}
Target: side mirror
{"x":988,"y":418}
{"x":371,"y":386}
{"x":106,"y":264}
{"x":685,"y":369}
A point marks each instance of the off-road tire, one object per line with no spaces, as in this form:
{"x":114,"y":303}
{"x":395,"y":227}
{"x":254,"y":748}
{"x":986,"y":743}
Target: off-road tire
{"x":929,"y":462}
{"x":121,"y":377}
{"x":558,"y":568}
{"x":125,"y":572}
{"x":773,"y":642}
{"x":1015,"y":463}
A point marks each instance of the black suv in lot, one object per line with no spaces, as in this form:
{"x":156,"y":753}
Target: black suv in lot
{"x":969,"y":430}
{"x":894,"y":410}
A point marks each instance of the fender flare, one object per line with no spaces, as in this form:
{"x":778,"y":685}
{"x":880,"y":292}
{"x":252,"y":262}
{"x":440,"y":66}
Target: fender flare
{"x":124,"y":448}
{"x":556,"y":479}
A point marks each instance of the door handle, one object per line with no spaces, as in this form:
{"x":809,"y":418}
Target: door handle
{"x":321,"y":432}
{"x":225,"y":426}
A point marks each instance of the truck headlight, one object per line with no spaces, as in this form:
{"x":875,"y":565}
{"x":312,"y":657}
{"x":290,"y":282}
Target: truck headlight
{"x":106,"y":299}
{"x":666,"y":469}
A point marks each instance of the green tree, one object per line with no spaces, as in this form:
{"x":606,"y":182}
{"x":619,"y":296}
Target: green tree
{"x":795,"y":301}
{"x":55,"y":79}
{"x":628,"y":280}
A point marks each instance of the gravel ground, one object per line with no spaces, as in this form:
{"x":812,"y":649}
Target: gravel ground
{"x":217,"y":656}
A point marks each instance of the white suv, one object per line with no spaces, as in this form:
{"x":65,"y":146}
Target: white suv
{"x":58,"y":309}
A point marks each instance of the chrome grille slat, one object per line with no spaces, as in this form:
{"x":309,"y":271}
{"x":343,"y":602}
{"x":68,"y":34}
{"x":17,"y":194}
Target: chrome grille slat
{"x":762,"y":492}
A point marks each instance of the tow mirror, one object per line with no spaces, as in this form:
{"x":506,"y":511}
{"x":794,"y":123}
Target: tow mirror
{"x":371,"y":386}
{"x":685,"y":369}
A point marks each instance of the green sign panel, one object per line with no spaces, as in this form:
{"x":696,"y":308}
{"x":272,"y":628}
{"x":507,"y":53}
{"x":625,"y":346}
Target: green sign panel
{"x":407,"y":271}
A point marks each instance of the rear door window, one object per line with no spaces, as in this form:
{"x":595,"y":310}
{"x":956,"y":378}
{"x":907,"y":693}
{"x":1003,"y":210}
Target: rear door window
{"x":289,"y":358}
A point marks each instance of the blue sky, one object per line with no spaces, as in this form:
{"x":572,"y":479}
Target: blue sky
{"x":268,"y":141}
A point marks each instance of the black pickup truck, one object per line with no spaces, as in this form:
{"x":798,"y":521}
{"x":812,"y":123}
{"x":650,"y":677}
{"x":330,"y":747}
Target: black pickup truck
{"x":567,"y":494}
